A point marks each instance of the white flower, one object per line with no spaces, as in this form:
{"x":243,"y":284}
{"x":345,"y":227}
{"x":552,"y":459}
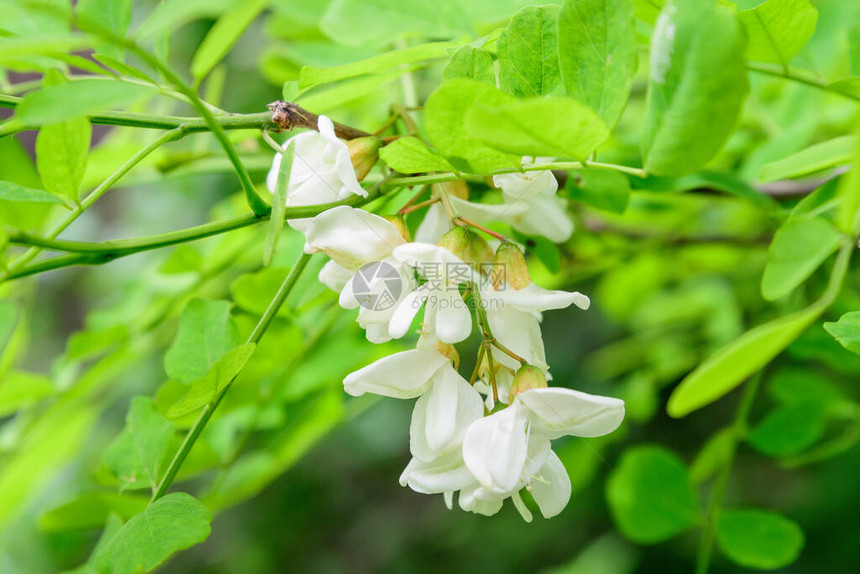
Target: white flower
{"x":544,"y":215}
{"x":353,"y":238}
{"x":496,"y":448}
{"x":514,"y":318}
{"x":322,"y":171}
{"x":446,"y":317}
{"x":447,"y":403}
{"x":436,"y":221}
{"x":544,"y":476}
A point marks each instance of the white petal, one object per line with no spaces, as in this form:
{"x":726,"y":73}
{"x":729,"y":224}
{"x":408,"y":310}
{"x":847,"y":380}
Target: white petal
{"x":442,"y":415}
{"x":434,"y":225}
{"x":377,"y":333}
{"x":520,"y":332}
{"x":546,"y":217}
{"x":494,"y":449}
{"x":521,"y":506}
{"x":556,"y":412}
{"x":334,"y":276}
{"x":487,"y":212}
{"x":272,"y":176}
{"x":347,"y":298}
{"x":535,"y":298}
{"x":403,"y":375}
{"x":443,"y":474}
{"x":449,"y":499}
{"x":453,"y":321}
{"x":352,"y":237}
{"x":405,"y":313}
{"x":527,"y":184}
{"x":476,"y":499}
{"x":551,"y":489}
{"x":581,"y":301}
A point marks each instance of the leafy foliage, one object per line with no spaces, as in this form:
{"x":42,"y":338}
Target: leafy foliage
{"x":704,"y":154}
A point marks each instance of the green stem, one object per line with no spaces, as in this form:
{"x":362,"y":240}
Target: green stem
{"x":85,"y":253}
{"x":256,"y":203}
{"x":261,"y":120}
{"x":802,"y":77}
{"x":209,"y":409}
{"x":739,"y":429}
{"x":90,"y":199}
{"x":559,"y":165}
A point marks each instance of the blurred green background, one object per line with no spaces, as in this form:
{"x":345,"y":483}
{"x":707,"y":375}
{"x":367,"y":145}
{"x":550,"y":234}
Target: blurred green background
{"x":671,"y":279}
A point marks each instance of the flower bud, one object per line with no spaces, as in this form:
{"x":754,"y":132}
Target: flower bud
{"x":458,"y":188}
{"x":528,"y":377}
{"x":479,"y":251}
{"x":363,"y":152}
{"x":510,"y":267}
{"x":450,"y":353}
{"x":456,"y":241}
{"x":400,"y":223}
{"x":467,"y":245}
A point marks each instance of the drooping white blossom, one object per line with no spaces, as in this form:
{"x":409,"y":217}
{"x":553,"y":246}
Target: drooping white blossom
{"x":544,"y":214}
{"x":446,"y":406}
{"x":322,"y":171}
{"x":446,"y":316}
{"x":354,"y":238}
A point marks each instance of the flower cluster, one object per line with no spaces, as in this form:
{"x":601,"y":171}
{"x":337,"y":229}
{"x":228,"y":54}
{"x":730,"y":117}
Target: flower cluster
{"x":489,"y":437}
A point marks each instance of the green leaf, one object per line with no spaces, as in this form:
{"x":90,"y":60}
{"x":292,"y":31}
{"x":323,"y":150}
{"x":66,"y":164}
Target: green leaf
{"x":173,"y":14}
{"x":734,"y":363}
{"x":759,"y":538}
{"x":310,"y":76}
{"x":173,"y":523}
{"x":223,"y":35}
{"x":817,"y":157}
{"x":696,"y":87}
{"x":778,"y":29}
{"x":798,"y":248}
{"x":19,"y":389}
{"x":13,"y":192}
{"x":603,"y":189}
{"x":788,"y":430}
{"x":253,"y":291}
{"x":713,"y":456}
{"x":445,"y":114}
{"x":60,"y":103}
{"x":848,"y":219}
{"x":91,"y":510}
{"x":793,"y":385}
{"x":543,"y":126}
{"x":279,"y":204}
{"x":410,"y":155}
{"x":847,"y":331}
{"x":123,"y":68}
{"x":8,"y":322}
{"x":548,"y":253}
{"x":651,"y":496}
{"x":854,"y":48}
{"x":61,"y":156}
{"x":377,"y":22}
{"x":184,"y":259}
{"x":207,"y":387}
{"x":528,"y":53}
{"x":470,"y":63}
{"x":206,"y":333}
{"x":114,"y":15}
{"x":597,"y":54}
{"x":135,"y":455}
